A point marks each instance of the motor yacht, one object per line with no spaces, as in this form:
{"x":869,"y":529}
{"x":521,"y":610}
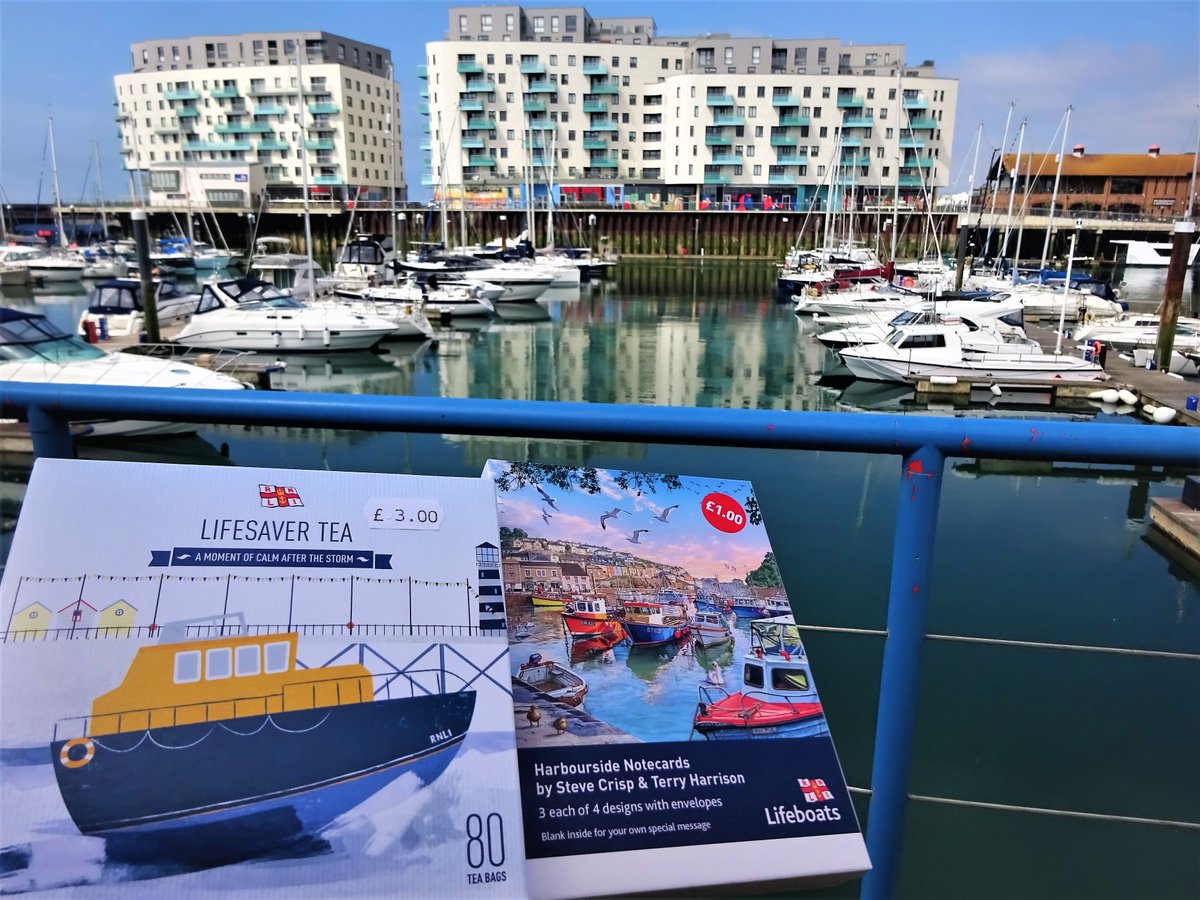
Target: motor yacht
{"x":118,"y":303}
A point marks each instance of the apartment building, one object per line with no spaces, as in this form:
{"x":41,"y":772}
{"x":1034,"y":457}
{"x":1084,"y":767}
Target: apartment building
{"x":281,"y":100}
{"x":609,"y":110}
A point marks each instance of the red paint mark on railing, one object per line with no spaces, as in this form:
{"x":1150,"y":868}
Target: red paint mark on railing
{"x":1033,"y":432}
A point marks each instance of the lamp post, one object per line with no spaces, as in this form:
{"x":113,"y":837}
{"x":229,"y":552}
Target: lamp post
{"x":74,"y":226}
{"x":592,"y":231}
{"x":695,"y":237}
{"x":403,"y":248}
{"x":503,"y":233}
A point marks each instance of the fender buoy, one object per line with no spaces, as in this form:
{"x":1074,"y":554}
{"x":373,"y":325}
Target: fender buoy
{"x":89,"y":750}
{"x":909,"y":282}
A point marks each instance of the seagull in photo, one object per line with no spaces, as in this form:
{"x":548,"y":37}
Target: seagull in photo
{"x":611,"y":514}
{"x":635,"y":539}
{"x":546,"y":498}
{"x":546,"y":517}
{"x":666,"y":513}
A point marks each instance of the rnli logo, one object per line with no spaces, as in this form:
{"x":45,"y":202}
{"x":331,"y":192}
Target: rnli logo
{"x":273,"y":495}
{"x":815,"y":790}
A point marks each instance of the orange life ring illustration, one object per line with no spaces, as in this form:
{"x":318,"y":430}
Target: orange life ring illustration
{"x":89,"y":750}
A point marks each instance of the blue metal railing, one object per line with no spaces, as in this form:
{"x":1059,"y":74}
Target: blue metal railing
{"x":923,"y":444}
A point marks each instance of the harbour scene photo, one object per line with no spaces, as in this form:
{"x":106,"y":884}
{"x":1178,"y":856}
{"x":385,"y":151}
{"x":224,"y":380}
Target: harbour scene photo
{"x":920,"y":296}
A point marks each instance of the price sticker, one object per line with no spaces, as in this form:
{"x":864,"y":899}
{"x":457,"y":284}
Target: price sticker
{"x":723,"y":513}
{"x":403,"y":513}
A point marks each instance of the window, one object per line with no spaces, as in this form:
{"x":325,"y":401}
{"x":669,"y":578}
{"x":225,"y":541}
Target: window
{"x":729,"y":56}
{"x":462,"y":24}
{"x":822,"y":55}
{"x":757,"y":169}
{"x":218,"y":663}
{"x":485,"y":23}
{"x":752,"y":675}
{"x":758,"y":131}
{"x":789,"y":679}
{"x":633,"y":62}
{"x":277,"y":654}
{"x":554,"y":24}
{"x":571,"y":22}
{"x":187,"y":666}
{"x":753,"y":112}
{"x":539,"y":24}
{"x":508,"y":22}
{"x":755,"y":55}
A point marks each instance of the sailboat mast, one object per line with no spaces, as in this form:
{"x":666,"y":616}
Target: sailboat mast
{"x":58,"y":219}
{"x":301,"y":50}
{"x":987,"y":244}
{"x":100,"y":182}
{"x":974,"y":169}
{"x":550,"y":189}
{"x":1062,"y":150}
{"x":1012,"y":194}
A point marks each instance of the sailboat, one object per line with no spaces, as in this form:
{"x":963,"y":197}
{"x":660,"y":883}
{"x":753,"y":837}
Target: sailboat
{"x":59,"y":266}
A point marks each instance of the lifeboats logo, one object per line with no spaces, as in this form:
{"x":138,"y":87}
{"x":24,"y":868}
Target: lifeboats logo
{"x":273,"y":495}
{"x":815,"y":790}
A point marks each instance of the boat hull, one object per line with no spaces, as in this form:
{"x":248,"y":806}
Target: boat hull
{"x":548,"y":602}
{"x":740,"y":716}
{"x":642,"y":634}
{"x":291,"y":341}
{"x":217,"y":791}
{"x":585,"y":626}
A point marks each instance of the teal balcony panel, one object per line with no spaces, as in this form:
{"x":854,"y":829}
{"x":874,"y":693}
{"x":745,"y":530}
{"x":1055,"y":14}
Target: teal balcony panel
{"x":723,"y":121}
{"x":604,"y":87}
{"x":727,"y":159}
{"x":603,"y":162}
{"x":425,"y":145}
{"x":863,"y":159}
{"x":423,"y":108}
{"x":480,"y":123}
{"x":270,"y":109}
{"x":542,"y":87}
{"x":327,"y":179}
{"x":719,"y":100}
{"x":858,"y":122}
{"x":469,"y":67}
{"x":783,"y":140}
{"x":429,"y":180}
{"x":781,"y":178}
{"x":911,"y":181}
{"x":244,"y":128}
{"x":595,"y":68}
{"x":470,"y":104}
{"x":272,"y":144}
{"x":216,"y":146}
{"x":423,"y":72}
{"x":604,"y":126}
{"x":472,"y":143}
{"x":794,"y":121}
{"x":595,"y":106}
{"x":916,"y":103}
{"x":716,"y":178}
{"x":917,"y":162}
{"x":225,"y":93}
{"x":480,"y":86}
{"x":543,"y":125}
{"x":850,"y":102}
{"x":785,"y":100}
{"x":794,"y":159}
{"x":533,"y":67}
{"x":534,"y":106}
{"x":597,"y":143}
{"x":921,"y":124}
{"x":717,"y":140}
{"x":318,"y":145}
{"x":485,"y":160}
{"x":911,"y":143}
{"x":187,"y":112}
{"x":322,"y":109}
{"x":182,"y":94}
{"x":851,"y":141}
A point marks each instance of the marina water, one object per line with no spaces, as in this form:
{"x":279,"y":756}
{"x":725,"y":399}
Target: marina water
{"x":1033,"y":554}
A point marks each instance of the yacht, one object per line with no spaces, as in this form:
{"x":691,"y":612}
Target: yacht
{"x":209,"y":258}
{"x":34,"y":350}
{"x":1129,"y":331}
{"x":119,"y":303}
{"x":363,"y":262}
{"x":933,"y":349}
{"x":42,"y":265}
{"x":522,"y":283}
{"x":438,"y":301}
{"x":293,"y":274}
{"x":103,"y":262}
{"x":996,"y":322}
{"x":1154,"y":253}
{"x":406,"y":313}
{"x":250,"y":314}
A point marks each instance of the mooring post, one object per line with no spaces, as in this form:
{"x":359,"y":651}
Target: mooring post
{"x":895,"y":722}
{"x":141,"y":240}
{"x":51,"y":434}
{"x":960,"y":256}
{"x":1185,"y":233}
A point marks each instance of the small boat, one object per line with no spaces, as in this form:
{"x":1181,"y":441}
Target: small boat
{"x":549,"y":601}
{"x":103,"y":262}
{"x":119,"y":303}
{"x":778,"y":698}
{"x":553,"y":679}
{"x":654,"y":623}
{"x":710,"y":629}
{"x":249,"y":314}
{"x":181,"y":762}
{"x":586,"y":616}
{"x":748,"y":607}
{"x":582,"y":647}
{"x":292,"y":273}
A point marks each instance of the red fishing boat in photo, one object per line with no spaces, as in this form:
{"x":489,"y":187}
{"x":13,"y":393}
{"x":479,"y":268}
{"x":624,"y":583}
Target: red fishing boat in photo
{"x":586,"y":616}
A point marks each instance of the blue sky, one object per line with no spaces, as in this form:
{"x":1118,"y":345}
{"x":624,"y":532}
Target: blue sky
{"x":1130,"y":69}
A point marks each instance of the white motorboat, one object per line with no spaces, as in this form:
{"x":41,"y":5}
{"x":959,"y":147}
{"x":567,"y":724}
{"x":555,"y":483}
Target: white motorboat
{"x":997,"y":321}
{"x":119,"y":304}
{"x":103,"y":262}
{"x":250,"y":314}
{"x":363,"y":262}
{"x":12,"y":276}
{"x":438,"y":302}
{"x":1154,"y":253}
{"x":42,"y":265}
{"x":522,"y":283}
{"x":34,"y":350}
{"x":1129,"y":330}
{"x":406,"y":313}
{"x":290,"y":272}
{"x":208,"y":258}
{"x":918,"y":351}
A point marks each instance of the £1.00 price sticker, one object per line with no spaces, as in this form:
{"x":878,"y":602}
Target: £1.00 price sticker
{"x":403,"y":513}
{"x":723,"y":513}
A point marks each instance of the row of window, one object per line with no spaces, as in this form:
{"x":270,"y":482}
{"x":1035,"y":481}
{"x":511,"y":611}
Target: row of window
{"x":226,"y":662}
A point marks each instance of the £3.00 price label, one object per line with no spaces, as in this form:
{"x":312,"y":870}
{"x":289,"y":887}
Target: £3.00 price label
{"x":403,"y":513}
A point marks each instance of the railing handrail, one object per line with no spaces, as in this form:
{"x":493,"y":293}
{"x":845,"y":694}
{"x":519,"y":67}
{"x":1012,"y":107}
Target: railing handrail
{"x":767,"y":429}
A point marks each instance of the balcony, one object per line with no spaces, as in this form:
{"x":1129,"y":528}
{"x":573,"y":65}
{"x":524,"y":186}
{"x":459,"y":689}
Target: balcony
{"x":216,"y":146}
{"x":595,"y":106}
{"x":480,"y":123}
{"x":850,"y":101}
{"x":727,"y":159}
{"x":272,"y":143}
{"x":922,"y":124}
{"x":538,"y":106}
{"x":182,"y":94}
{"x":429,"y":180}
{"x":423,"y":108}
{"x":794,"y":121}
{"x":470,"y":104}
{"x":783,"y":140}
{"x":724,"y":121}
{"x":603,"y":162}
{"x":719,"y":100}
{"x":425,"y":145}
{"x":858,"y":122}
{"x":911,"y":181}
{"x":862,"y":159}
{"x":716,"y":178}
{"x":595,"y":143}
{"x":595,"y":68}
{"x":262,"y":90}
{"x":717,"y":140}
{"x":471,"y":143}
{"x":326,"y":179}
{"x":423,"y":73}
{"x":781,"y":179}
{"x":542,"y":87}
{"x":604,"y":87}
{"x":187,"y":112}
{"x":534,"y":143}
{"x":484,"y":160}
{"x":916,"y":103}
{"x":243,"y":128}
{"x":318,"y":145}
{"x":225,"y":93}
{"x":270,"y":109}
{"x":785,"y":100}
{"x":851,"y":141}
{"x":480,"y":86}
{"x":917,"y":162}
{"x":604,"y":126}
{"x":908,"y":143}
{"x":469,"y":67}
{"x":789,"y":160}
{"x":543,"y":125}
{"x":533,"y":67}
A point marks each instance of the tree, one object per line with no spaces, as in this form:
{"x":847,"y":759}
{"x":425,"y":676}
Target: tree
{"x":766,"y":575}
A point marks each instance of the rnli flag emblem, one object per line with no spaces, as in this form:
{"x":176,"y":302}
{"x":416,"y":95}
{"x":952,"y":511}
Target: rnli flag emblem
{"x":815,"y":790}
{"x":273,"y":495}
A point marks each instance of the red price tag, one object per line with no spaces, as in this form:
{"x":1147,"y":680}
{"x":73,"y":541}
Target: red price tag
{"x":723,"y":513}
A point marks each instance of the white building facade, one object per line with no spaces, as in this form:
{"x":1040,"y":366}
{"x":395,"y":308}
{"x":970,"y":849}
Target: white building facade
{"x":256,"y":98}
{"x":611,"y":112}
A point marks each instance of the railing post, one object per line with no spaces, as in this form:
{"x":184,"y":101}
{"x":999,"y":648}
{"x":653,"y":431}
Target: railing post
{"x":51,"y":434}
{"x":908,"y":599}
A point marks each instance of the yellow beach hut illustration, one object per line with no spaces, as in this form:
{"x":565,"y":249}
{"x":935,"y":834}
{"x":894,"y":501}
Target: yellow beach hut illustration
{"x":33,"y":618}
{"x":119,"y":615}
